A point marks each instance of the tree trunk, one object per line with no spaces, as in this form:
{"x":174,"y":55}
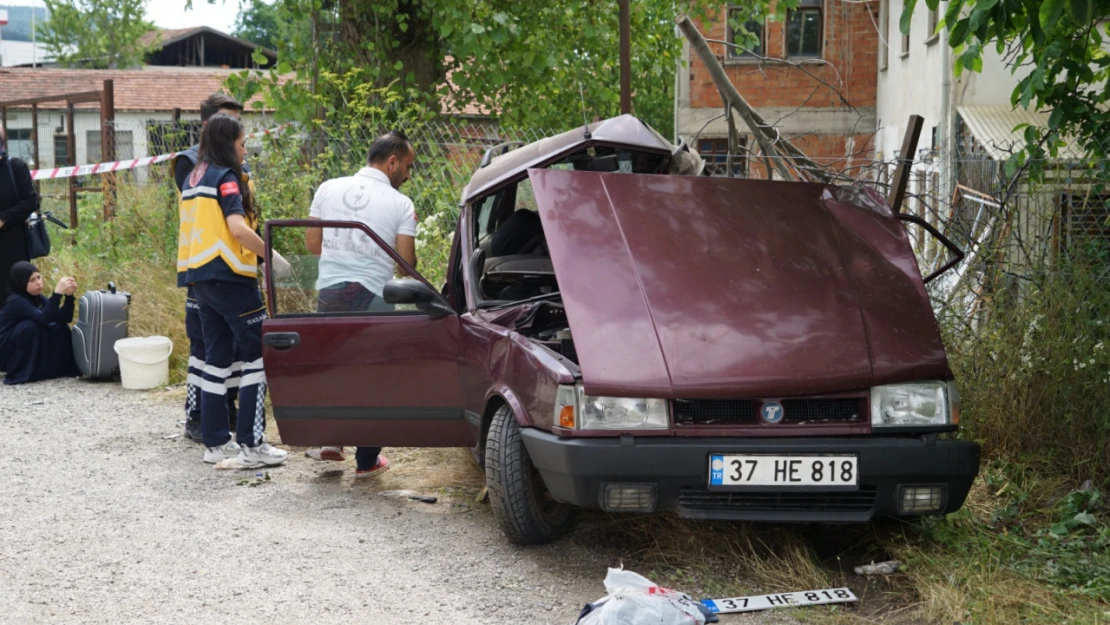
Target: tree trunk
{"x":368,"y":29}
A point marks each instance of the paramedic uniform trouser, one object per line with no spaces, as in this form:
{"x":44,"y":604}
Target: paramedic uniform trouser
{"x":231,"y":316}
{"x":196,"y":364}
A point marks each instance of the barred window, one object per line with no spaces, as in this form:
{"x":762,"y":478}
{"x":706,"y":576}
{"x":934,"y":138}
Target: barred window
{"x":124,"y":146}
{"x":715,"y":153}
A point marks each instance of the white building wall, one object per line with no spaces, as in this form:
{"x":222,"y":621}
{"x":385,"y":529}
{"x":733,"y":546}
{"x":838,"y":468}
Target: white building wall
{"x":912,"y":83}
{"x":52,"y":123}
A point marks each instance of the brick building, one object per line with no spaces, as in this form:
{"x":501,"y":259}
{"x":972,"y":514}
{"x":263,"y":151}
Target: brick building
{"x":833,"y":41}
{"x":147,"y":103}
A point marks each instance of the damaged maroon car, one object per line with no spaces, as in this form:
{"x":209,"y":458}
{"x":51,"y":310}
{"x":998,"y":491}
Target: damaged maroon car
{"x":724,"y":348}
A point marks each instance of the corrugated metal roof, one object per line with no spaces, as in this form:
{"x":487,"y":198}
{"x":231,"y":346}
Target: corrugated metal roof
{"x":993,"y":127}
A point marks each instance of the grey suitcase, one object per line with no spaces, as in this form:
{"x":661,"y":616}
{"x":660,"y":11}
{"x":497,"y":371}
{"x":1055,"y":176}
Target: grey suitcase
{"x":101,"y":321}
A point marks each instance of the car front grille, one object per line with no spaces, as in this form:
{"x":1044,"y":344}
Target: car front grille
{"x":817,"y":410}
{"x":746,"y":411}
{"x":701,"y":499}
{"x":714,"y":411}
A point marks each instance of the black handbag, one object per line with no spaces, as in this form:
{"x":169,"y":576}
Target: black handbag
{"x":38,"y":239}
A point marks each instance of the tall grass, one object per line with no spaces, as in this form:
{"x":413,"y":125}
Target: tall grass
{"x":1033,"y":370}
{"x":137,"y":252}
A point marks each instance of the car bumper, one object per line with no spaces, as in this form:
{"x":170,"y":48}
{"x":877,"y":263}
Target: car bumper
{"x":576,"y":471}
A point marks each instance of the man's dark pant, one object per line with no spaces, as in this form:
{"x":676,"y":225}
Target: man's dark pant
{"x":350,"y":297}
{"x":231,"y":316}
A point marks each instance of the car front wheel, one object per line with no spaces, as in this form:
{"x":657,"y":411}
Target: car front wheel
{"x":521,"y":503}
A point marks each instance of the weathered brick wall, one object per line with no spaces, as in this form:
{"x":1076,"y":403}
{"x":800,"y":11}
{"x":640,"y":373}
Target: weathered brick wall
{"x":851,"y":46}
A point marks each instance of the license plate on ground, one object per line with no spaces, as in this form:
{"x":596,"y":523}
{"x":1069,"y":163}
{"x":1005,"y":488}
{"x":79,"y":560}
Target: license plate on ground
{"x":783,"y":600}
{"x":787,"y":471}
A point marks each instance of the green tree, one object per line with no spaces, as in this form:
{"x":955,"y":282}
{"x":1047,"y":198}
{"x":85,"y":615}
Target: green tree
{"x":524,"y":61}
{"x":96,"y":33}
{"x":1061,"y":42}
{"x":276,"y":25}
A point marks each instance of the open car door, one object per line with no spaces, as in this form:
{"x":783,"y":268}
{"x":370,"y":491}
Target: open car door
{"x":380,"y":376}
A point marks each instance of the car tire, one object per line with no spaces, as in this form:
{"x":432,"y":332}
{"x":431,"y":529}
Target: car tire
{"x":521,"y":503}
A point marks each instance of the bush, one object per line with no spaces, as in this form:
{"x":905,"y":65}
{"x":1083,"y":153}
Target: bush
{"x":1034,"y":370}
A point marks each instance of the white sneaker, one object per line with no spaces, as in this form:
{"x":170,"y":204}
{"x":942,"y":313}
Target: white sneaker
{"x":264,"y":454}
{"x":230,"y":449}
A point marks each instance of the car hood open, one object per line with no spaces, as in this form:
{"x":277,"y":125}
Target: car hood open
{"x":688,"y":287}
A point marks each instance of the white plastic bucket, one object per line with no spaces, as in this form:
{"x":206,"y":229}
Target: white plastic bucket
{"x":144,"y":362}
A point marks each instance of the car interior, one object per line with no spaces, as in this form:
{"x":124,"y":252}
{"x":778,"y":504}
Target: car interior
{"x":511,"y":258}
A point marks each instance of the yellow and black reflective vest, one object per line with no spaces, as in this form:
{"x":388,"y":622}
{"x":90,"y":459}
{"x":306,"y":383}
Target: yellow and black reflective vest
{"x":206,"y":250}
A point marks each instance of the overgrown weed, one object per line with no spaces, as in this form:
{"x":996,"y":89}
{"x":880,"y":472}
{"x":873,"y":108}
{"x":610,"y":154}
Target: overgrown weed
{"x":1022,"y":550}
{"x":1033,"y":369}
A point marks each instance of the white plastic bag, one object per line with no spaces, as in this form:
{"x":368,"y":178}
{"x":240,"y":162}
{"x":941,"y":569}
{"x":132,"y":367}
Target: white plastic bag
{"x":634,"y":600}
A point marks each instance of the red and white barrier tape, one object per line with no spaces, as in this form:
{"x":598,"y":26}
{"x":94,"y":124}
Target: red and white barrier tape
{"x":104,"y":168}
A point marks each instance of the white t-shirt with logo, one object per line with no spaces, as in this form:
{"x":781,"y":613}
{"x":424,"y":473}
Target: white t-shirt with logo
{"x":347,"y":254}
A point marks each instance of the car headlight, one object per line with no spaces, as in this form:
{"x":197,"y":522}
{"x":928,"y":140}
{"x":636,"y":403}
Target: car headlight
{"x":915,"y":404}
{"x":575,"y":409}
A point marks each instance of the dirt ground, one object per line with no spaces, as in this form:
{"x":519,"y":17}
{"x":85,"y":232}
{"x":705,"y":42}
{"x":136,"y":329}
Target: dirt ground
{"x":109,"y":516}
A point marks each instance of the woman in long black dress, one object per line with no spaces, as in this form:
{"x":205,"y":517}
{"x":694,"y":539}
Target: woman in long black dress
{"x":35,"y":341}
{"x":18,"y":199}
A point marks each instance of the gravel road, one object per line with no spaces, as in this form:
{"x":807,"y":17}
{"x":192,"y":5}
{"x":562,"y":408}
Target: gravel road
{"x":105,"y":520}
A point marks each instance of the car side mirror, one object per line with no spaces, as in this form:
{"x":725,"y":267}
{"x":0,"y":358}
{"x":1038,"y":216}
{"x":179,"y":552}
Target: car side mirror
{"x":415,"y":292}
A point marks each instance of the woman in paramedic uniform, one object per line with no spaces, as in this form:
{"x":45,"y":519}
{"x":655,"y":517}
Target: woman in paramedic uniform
{"x":218,"y":251}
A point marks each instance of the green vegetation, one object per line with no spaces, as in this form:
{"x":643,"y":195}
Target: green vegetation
{"x":1061,"y":44}
{"x":523,"y":61}
{"x":95,"y":33}
{"x":1023,"y":550}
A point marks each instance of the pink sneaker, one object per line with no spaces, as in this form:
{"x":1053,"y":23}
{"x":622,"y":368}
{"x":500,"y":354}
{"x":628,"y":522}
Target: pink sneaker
{"x":326,"y":453}
{"x":380,"y":467}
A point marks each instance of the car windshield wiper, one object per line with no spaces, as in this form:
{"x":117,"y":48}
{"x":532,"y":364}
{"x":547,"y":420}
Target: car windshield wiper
{"x":538,"y":298}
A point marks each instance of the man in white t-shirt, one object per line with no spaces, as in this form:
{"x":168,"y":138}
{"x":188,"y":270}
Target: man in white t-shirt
{"x":353,"y":268}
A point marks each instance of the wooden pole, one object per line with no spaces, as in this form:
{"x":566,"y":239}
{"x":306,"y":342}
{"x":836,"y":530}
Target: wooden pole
{"x":71,"y":159}
{"x":905,"y":162}
{"x":108,"y":144}
{"x":626,"y":58}
{"x":35,"y":135}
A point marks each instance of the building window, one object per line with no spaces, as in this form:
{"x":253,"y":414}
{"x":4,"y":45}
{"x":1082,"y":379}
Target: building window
{"x":61,"y":151}
{"x":1084,"y":220}
{"x":934,"y":19}
{"x":754,"y":27}
{"x":803,"y":29}
{"x":884,"y":33}
{"x":715,"y":153}
{"x":124,"y":146}
{"x":20,"y":145}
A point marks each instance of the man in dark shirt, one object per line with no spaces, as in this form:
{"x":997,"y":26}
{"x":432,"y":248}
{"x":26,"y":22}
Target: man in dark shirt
{"x":183,"y":165}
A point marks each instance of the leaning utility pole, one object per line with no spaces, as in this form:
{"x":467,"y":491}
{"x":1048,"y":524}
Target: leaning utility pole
{"x":768,"y":145}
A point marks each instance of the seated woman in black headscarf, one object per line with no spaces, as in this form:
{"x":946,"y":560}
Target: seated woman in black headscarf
{"x":35,"y":342}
